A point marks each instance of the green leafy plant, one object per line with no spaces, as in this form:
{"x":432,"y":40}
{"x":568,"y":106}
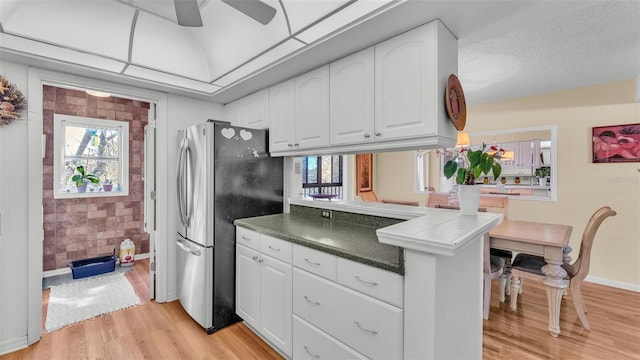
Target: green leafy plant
{"x":81,"y":177}
{"x":543,"y":172}
{"x":477,"y":162}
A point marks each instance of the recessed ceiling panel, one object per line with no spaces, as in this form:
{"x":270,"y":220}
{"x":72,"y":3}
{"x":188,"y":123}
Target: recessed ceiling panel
{"x":164,"y":45}
{"x":230,"y":38}
{"x":98,"y":26}
{"x":18,"y":45}
{"x":301,"y":13}
{"x":170,"y":80}
{"x":162,"y":8}
{"x":261,"y":62}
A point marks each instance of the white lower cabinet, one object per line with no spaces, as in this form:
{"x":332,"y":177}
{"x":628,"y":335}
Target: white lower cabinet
{"x":311,"y":343}
{"x":263,"y":289}
{"x":369,"y":326}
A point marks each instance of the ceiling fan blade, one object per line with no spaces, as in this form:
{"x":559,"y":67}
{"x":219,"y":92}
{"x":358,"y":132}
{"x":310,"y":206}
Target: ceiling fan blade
{"x":188,"y":13}
{"x":255,"y":9}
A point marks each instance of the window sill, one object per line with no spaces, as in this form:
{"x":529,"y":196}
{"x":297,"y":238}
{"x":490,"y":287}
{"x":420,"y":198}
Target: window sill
{"x":89,"y":194}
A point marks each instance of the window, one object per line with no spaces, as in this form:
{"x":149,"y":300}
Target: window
{"x":100,"y":146}
{"x":322,"y":175}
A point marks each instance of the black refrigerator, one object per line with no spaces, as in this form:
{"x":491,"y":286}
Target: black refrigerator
{"x":223,"y":173}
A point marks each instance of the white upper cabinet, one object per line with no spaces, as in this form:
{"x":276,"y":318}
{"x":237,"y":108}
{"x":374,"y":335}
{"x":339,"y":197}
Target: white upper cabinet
{"x":282,"y":116}
{"x":251,"y":111}
{"x":411,"y":73}
{"x":312,"y":109}
{"x":351,"y":98}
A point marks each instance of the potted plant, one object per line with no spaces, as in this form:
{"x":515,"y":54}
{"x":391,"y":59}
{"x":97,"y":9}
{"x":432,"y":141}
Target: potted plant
{"x":542,"y":174}
{"x":107,"y":185}
{"x":81,"y":179}
{"x":467,"y":168}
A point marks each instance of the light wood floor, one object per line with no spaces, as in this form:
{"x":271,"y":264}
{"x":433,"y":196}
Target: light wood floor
{"x":165,"y":331}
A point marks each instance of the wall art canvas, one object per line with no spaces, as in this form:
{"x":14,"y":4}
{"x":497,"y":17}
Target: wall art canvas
{"x":364,"y":174}
{"x":617,"y":143}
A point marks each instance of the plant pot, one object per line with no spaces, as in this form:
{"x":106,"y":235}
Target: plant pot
{"x":107,"y":187}
{"x":469,"y":198}
{"x":543,"y":181}
{"x":83,"y":188}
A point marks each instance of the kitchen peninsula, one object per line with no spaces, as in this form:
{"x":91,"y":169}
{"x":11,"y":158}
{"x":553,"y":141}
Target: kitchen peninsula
{"x":396,"y":281}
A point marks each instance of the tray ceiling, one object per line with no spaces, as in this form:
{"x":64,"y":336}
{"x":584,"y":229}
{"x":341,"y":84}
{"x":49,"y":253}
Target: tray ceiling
{"x":506,"y":49}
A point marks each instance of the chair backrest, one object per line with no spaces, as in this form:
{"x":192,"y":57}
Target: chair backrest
{"x":368,"y":196}
{"x":581,"y":265}
{"x":437,"y":198}
{"x":495,"y":204}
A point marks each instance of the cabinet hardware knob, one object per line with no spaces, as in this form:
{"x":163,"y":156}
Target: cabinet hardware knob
{"x":366,"y":135}
{"x":255,"y":258}
{"x":378,"y":133}
{"x":314,"y":303}
{"x":311,"y":262}
{"x":310,"y":353}
{"x":260,"y":261}
{"x":295,"y":145}
{"x":245,"y":238}
{"x":372,"y":283}
{"x":274,"y":249}
{"x":371,"y":332}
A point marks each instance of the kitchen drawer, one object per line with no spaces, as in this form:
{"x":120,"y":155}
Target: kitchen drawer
{"x":381,"y":284}
{"x":248,"y":238}
{"x":277,"y":248}
{"x":311,"y":343}
{"x":315,"y":262}
{"x":369,"y":326}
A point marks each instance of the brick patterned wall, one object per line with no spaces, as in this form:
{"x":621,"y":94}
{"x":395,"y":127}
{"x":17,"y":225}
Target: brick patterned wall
{"x":81,"y":228}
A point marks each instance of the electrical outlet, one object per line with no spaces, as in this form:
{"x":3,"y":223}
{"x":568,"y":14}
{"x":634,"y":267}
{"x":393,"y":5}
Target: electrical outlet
{"x":327,"y":214}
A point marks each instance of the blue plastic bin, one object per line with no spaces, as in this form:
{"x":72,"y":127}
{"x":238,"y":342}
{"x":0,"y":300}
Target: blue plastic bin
{"x":92,"y":266}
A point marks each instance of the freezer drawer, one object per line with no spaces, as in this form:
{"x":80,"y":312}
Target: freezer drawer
{"x":195,"y":281}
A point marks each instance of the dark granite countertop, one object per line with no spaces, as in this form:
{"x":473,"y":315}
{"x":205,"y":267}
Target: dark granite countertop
{"x":353,"y":241}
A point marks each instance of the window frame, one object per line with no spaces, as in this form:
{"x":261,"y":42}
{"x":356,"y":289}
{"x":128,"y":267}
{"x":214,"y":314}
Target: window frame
{"x":60,"y":121}
{"x":319,"y":184}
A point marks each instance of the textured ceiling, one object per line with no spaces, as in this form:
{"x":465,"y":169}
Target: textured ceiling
{"x":507,"y":49}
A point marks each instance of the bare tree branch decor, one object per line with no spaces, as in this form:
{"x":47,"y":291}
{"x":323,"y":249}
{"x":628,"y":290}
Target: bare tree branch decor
{"x":12,"y":102}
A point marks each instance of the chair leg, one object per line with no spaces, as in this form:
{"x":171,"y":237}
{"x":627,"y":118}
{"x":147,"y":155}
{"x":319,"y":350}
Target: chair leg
{"x":578,"y":305}
{"x":487,"y":298}
{"x":515,"y":285}
{"x":504,"y":283}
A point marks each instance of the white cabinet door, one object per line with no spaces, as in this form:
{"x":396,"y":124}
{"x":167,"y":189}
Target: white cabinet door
{"x":233,"y":113}
{"x":410,"y":77}
{"x":282,"y":116}
{"x":351,"y":99}
{"x":312,"y":109}
{"x":248,"y":285}
{"x":275,"y":302}
{"x":256,"y":110}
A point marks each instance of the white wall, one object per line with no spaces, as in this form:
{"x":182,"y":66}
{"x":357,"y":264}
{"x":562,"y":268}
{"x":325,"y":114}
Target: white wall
{"x":174,"y":112}
{"x":13,"y":221}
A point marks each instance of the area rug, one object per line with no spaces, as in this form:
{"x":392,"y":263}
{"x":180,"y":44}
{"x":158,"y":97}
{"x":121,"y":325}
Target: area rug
{"x":88,"y":298}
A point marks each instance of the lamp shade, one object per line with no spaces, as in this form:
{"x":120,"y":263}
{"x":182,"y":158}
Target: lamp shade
{"x":463,"y":139}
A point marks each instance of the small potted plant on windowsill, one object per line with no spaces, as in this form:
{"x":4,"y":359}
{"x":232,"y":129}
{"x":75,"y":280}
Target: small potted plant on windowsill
{"x":107,"y":185}
{"x":477,"y":162}
{"x":81,"y":179}
{"x":543,"y":174}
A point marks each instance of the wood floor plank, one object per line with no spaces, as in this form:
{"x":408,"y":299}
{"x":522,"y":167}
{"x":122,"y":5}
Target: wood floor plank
{"x":165,"y":331}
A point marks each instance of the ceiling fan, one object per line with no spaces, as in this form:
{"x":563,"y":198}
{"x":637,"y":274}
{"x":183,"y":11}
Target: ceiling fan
{"x":188,"y":13}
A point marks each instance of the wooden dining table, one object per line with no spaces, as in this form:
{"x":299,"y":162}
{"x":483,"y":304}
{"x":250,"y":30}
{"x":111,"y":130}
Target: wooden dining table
{"x":542,"y":239}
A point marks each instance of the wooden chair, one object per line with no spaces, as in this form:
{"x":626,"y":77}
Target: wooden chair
{"x":437,"y":198}
{"x":368,"y":196}
{"x":493,"y":268}
{"x":500,"y":205}
{"x":531,"y":266}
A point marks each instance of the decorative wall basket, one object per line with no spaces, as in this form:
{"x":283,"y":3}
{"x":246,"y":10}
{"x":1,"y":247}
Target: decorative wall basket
{"x":12,"y":102}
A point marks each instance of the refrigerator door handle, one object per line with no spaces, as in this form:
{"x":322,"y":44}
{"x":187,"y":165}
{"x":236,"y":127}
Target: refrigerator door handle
{"x":182,"y":177}
{"x":187,"y":248}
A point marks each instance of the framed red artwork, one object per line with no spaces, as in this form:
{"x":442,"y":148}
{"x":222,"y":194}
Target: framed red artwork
{"x":364,"y":172}
{"x":615,"y":144}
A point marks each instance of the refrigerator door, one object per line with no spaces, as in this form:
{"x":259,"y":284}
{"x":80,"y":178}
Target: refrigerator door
{"x":195,"y":283}
{"x":195,"y":188}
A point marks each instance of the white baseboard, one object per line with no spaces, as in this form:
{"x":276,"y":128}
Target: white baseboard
{"x":66,"y":270}
{"x":11,"y":345}
{"x":613,"y":283}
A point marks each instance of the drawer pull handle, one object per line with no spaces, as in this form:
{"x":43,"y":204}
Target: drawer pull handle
{"x":274,"y":249}
{"x":314,"y":303}
{"x":245,"y":238}
{"x":371,"y":332}
{"x":310,"y":353}
{"x":311,"y":262}
{"x":366,"y":282}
